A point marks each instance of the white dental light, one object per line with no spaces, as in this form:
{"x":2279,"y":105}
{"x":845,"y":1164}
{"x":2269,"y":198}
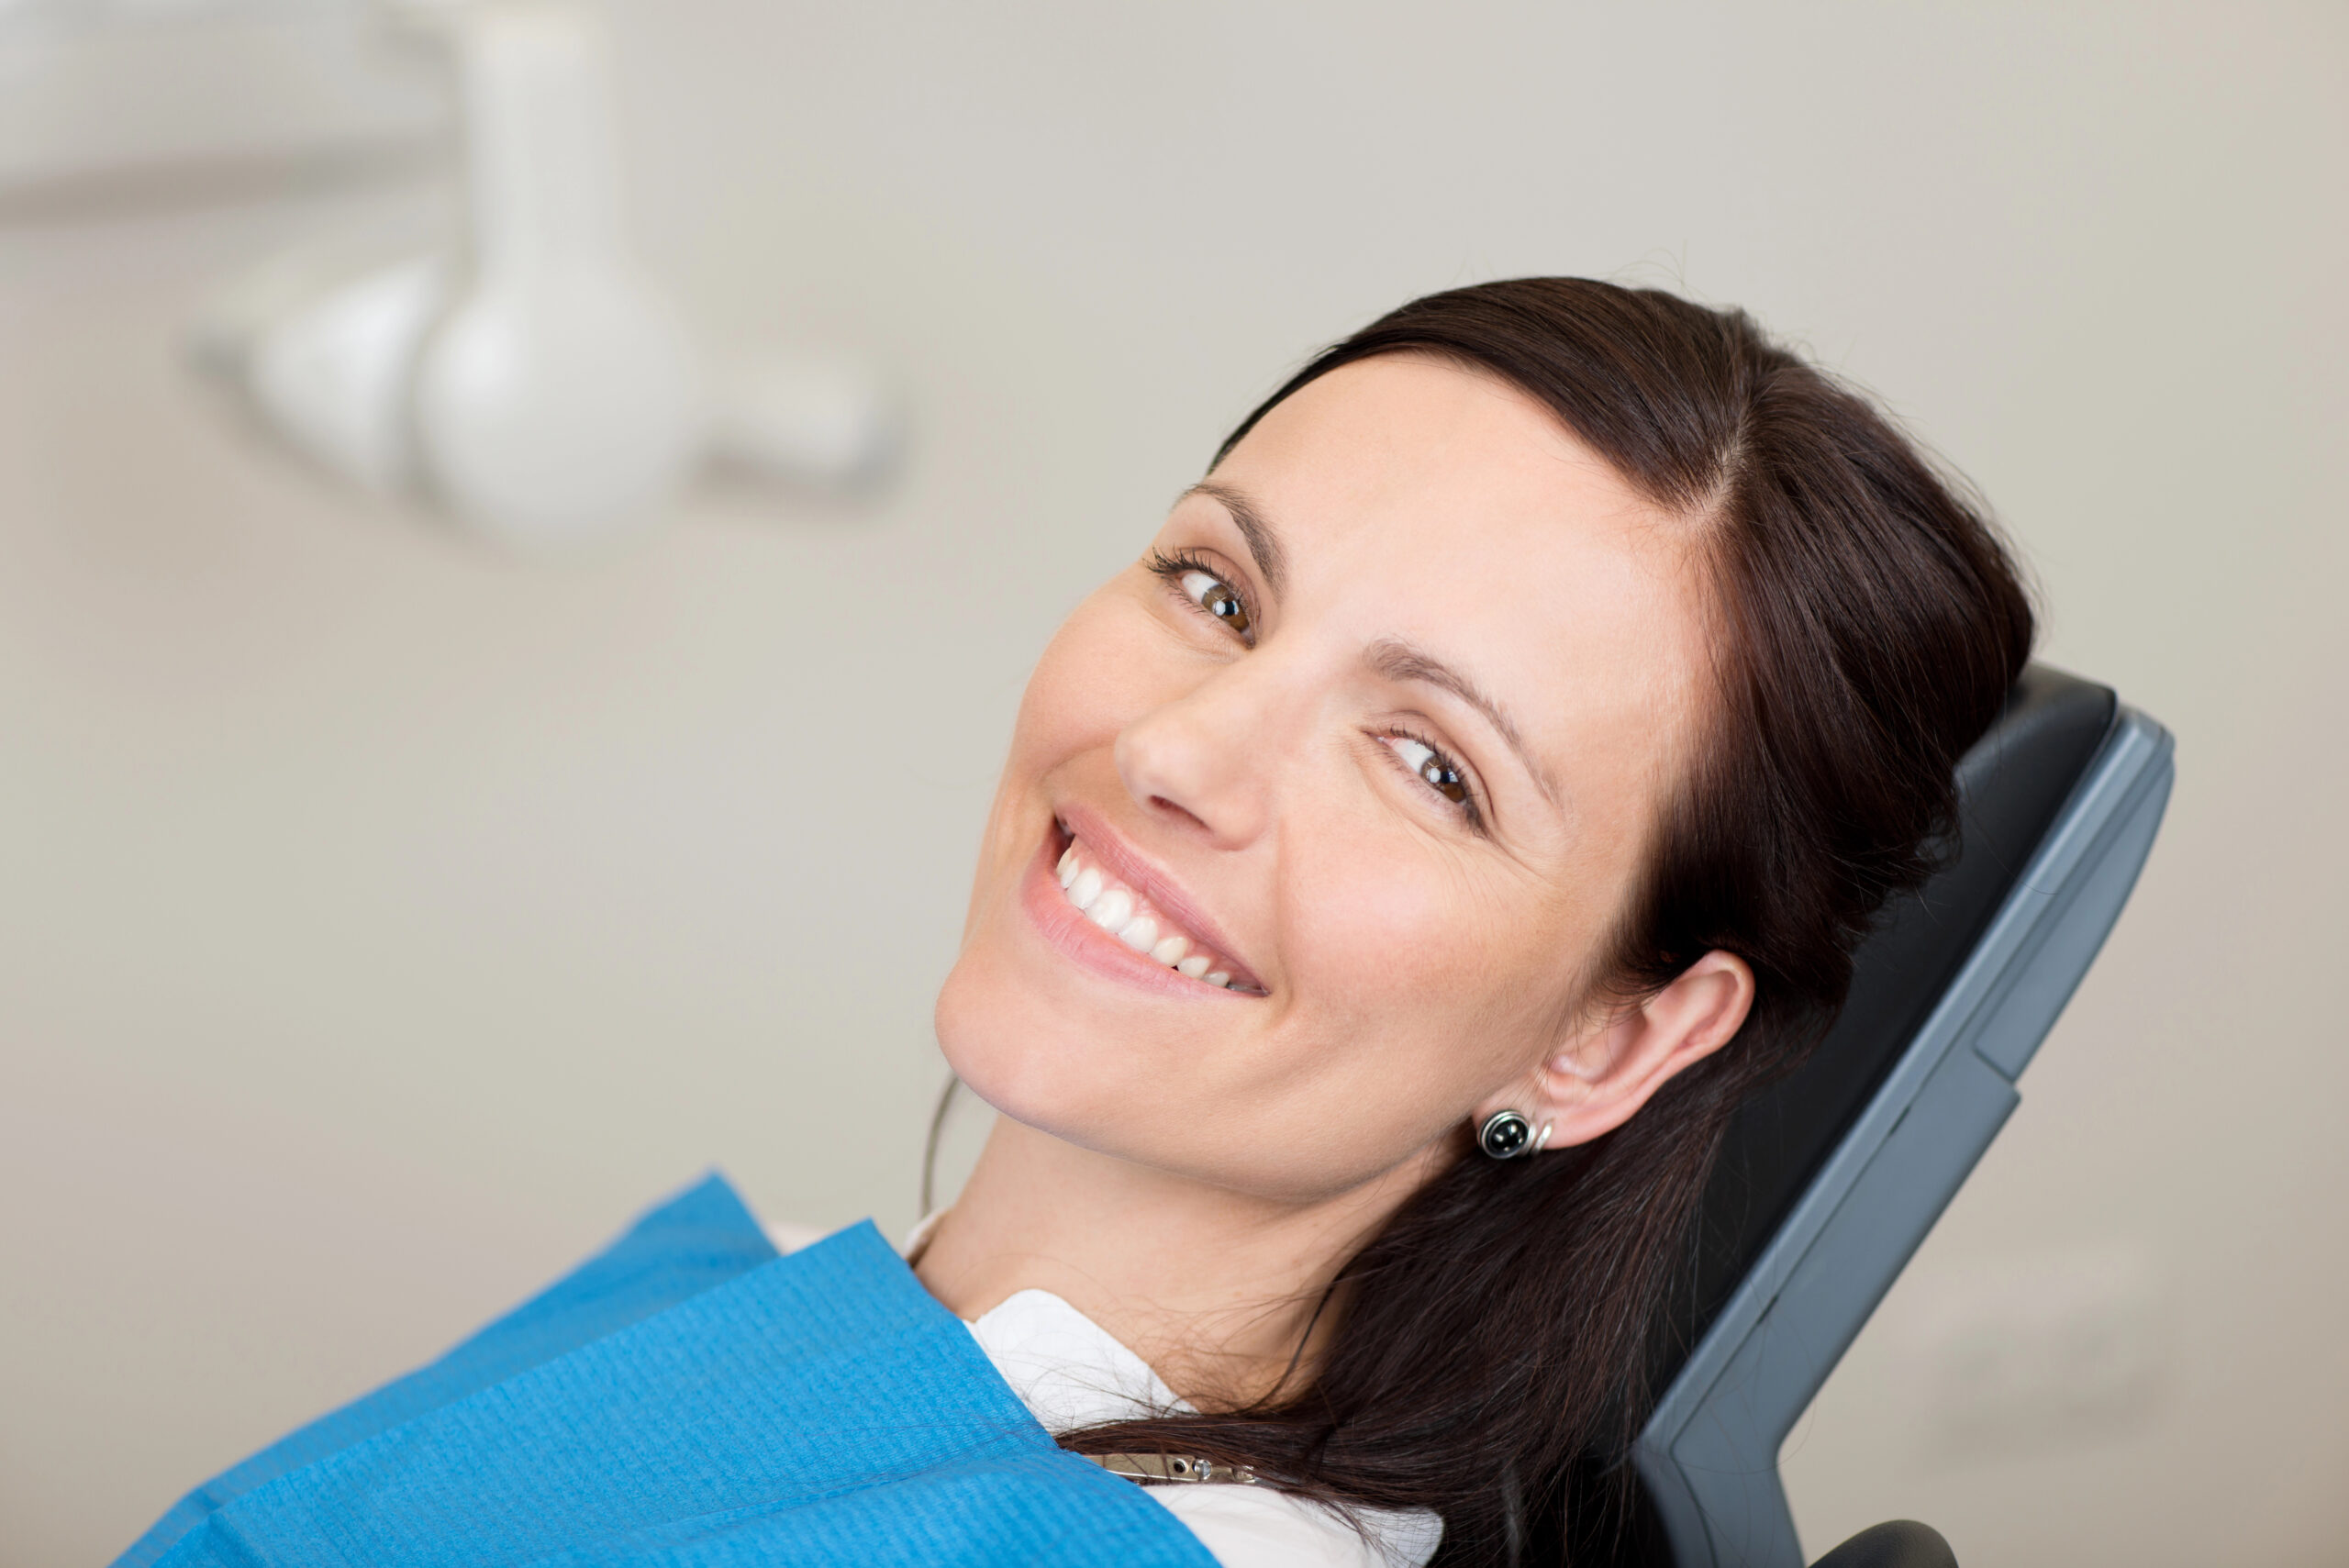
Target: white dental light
{"x":557,"y":392}
{"x":530,"y":380}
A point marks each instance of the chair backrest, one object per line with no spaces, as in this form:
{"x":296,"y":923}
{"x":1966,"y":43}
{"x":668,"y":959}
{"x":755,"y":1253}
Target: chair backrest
{"x":1830,"y":1180}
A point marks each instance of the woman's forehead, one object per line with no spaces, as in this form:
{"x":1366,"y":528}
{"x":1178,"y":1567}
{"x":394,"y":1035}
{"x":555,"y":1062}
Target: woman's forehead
{"x":1409,"y":497}
{"x":1430,"y":462}
{"x":1397,"y":423}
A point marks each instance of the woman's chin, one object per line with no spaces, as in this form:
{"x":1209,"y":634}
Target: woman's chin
{"x":1009,"y":1045}
{"x":1066,"y":1065}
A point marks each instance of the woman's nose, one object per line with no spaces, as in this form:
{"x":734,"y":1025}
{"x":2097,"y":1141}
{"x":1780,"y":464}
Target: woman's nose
{"x":1209,"y":760}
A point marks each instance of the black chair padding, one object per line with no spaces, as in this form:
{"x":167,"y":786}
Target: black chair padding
{"x":1899,"y":1544}
{"x":2011,"y":785}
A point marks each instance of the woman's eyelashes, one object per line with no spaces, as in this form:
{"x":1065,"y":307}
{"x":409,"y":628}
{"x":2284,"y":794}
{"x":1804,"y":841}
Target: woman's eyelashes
{"x":1434,"y":768}
{"x":1203,"y":585}
{"x":1206,"y":589}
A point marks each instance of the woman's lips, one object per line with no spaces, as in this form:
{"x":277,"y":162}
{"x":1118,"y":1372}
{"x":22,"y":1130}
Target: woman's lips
{"x":1128,"y":925}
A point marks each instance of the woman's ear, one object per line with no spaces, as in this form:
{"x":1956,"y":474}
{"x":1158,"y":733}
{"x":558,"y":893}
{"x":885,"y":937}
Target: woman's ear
{"x":1592,"y":1085}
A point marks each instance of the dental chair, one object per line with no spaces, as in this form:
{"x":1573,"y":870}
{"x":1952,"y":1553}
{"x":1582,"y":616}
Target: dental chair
{"x":1830,"y":1180}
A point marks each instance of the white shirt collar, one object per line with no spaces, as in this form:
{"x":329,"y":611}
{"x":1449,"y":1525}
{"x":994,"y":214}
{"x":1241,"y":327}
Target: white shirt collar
{"x":1068,"y":1370}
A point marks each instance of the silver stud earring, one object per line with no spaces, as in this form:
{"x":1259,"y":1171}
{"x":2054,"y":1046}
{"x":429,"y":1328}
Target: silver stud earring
{"x":1506,"y":1135}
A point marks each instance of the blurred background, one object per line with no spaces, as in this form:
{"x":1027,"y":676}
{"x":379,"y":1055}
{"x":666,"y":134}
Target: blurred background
{"x":388,"y":912}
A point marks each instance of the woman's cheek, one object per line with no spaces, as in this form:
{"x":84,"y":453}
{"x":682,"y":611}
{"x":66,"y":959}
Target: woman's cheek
{"x":1384,"y":926}
{"x":1418,"y":970}
{"x":1085,"y":686}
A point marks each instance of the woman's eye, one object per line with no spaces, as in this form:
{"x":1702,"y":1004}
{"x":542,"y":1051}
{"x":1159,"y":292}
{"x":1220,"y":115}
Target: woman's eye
{"x":1433,"y":766}
{"x":1215,"y":596}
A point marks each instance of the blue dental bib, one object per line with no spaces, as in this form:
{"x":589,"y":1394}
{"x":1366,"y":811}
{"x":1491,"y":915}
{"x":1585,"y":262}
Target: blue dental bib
{"x":689,"y":1399}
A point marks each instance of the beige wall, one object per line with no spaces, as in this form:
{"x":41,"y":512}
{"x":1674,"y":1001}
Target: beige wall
{"x":384,"y":921}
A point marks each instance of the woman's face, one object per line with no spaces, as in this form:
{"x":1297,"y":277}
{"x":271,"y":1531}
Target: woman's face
{"x":1378,"y":730}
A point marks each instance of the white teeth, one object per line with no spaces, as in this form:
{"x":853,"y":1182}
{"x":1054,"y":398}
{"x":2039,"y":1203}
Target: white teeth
{"x":1117,"y":910}
{"x":1112,"y":909}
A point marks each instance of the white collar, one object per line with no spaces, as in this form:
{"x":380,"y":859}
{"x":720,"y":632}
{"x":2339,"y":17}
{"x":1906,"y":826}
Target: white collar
{"x":1068,"y":1370}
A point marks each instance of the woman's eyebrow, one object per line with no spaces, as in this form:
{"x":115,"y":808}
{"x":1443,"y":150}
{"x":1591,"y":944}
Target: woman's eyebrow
{"x":1263,"y":543}
{"x":1399,"y":661}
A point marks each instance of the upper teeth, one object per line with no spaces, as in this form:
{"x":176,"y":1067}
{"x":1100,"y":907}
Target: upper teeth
{"x":1120,"y":911}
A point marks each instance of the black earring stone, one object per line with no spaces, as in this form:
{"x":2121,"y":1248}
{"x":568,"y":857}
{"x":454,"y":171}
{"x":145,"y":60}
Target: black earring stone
{"x":1504,"y":1136}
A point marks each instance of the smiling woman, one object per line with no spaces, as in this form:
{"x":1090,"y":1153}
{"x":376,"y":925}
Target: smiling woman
{"x":1527,"y":712}
{"x":1398,"y":875}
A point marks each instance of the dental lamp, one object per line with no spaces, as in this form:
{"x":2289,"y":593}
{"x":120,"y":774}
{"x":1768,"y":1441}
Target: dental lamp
{"x":529,"y":379}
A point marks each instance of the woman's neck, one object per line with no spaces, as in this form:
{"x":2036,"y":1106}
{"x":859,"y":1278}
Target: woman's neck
{"x":1215,"y":1289}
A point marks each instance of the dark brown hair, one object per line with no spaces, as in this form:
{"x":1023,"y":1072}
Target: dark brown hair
{"x":1494,"y":1338}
